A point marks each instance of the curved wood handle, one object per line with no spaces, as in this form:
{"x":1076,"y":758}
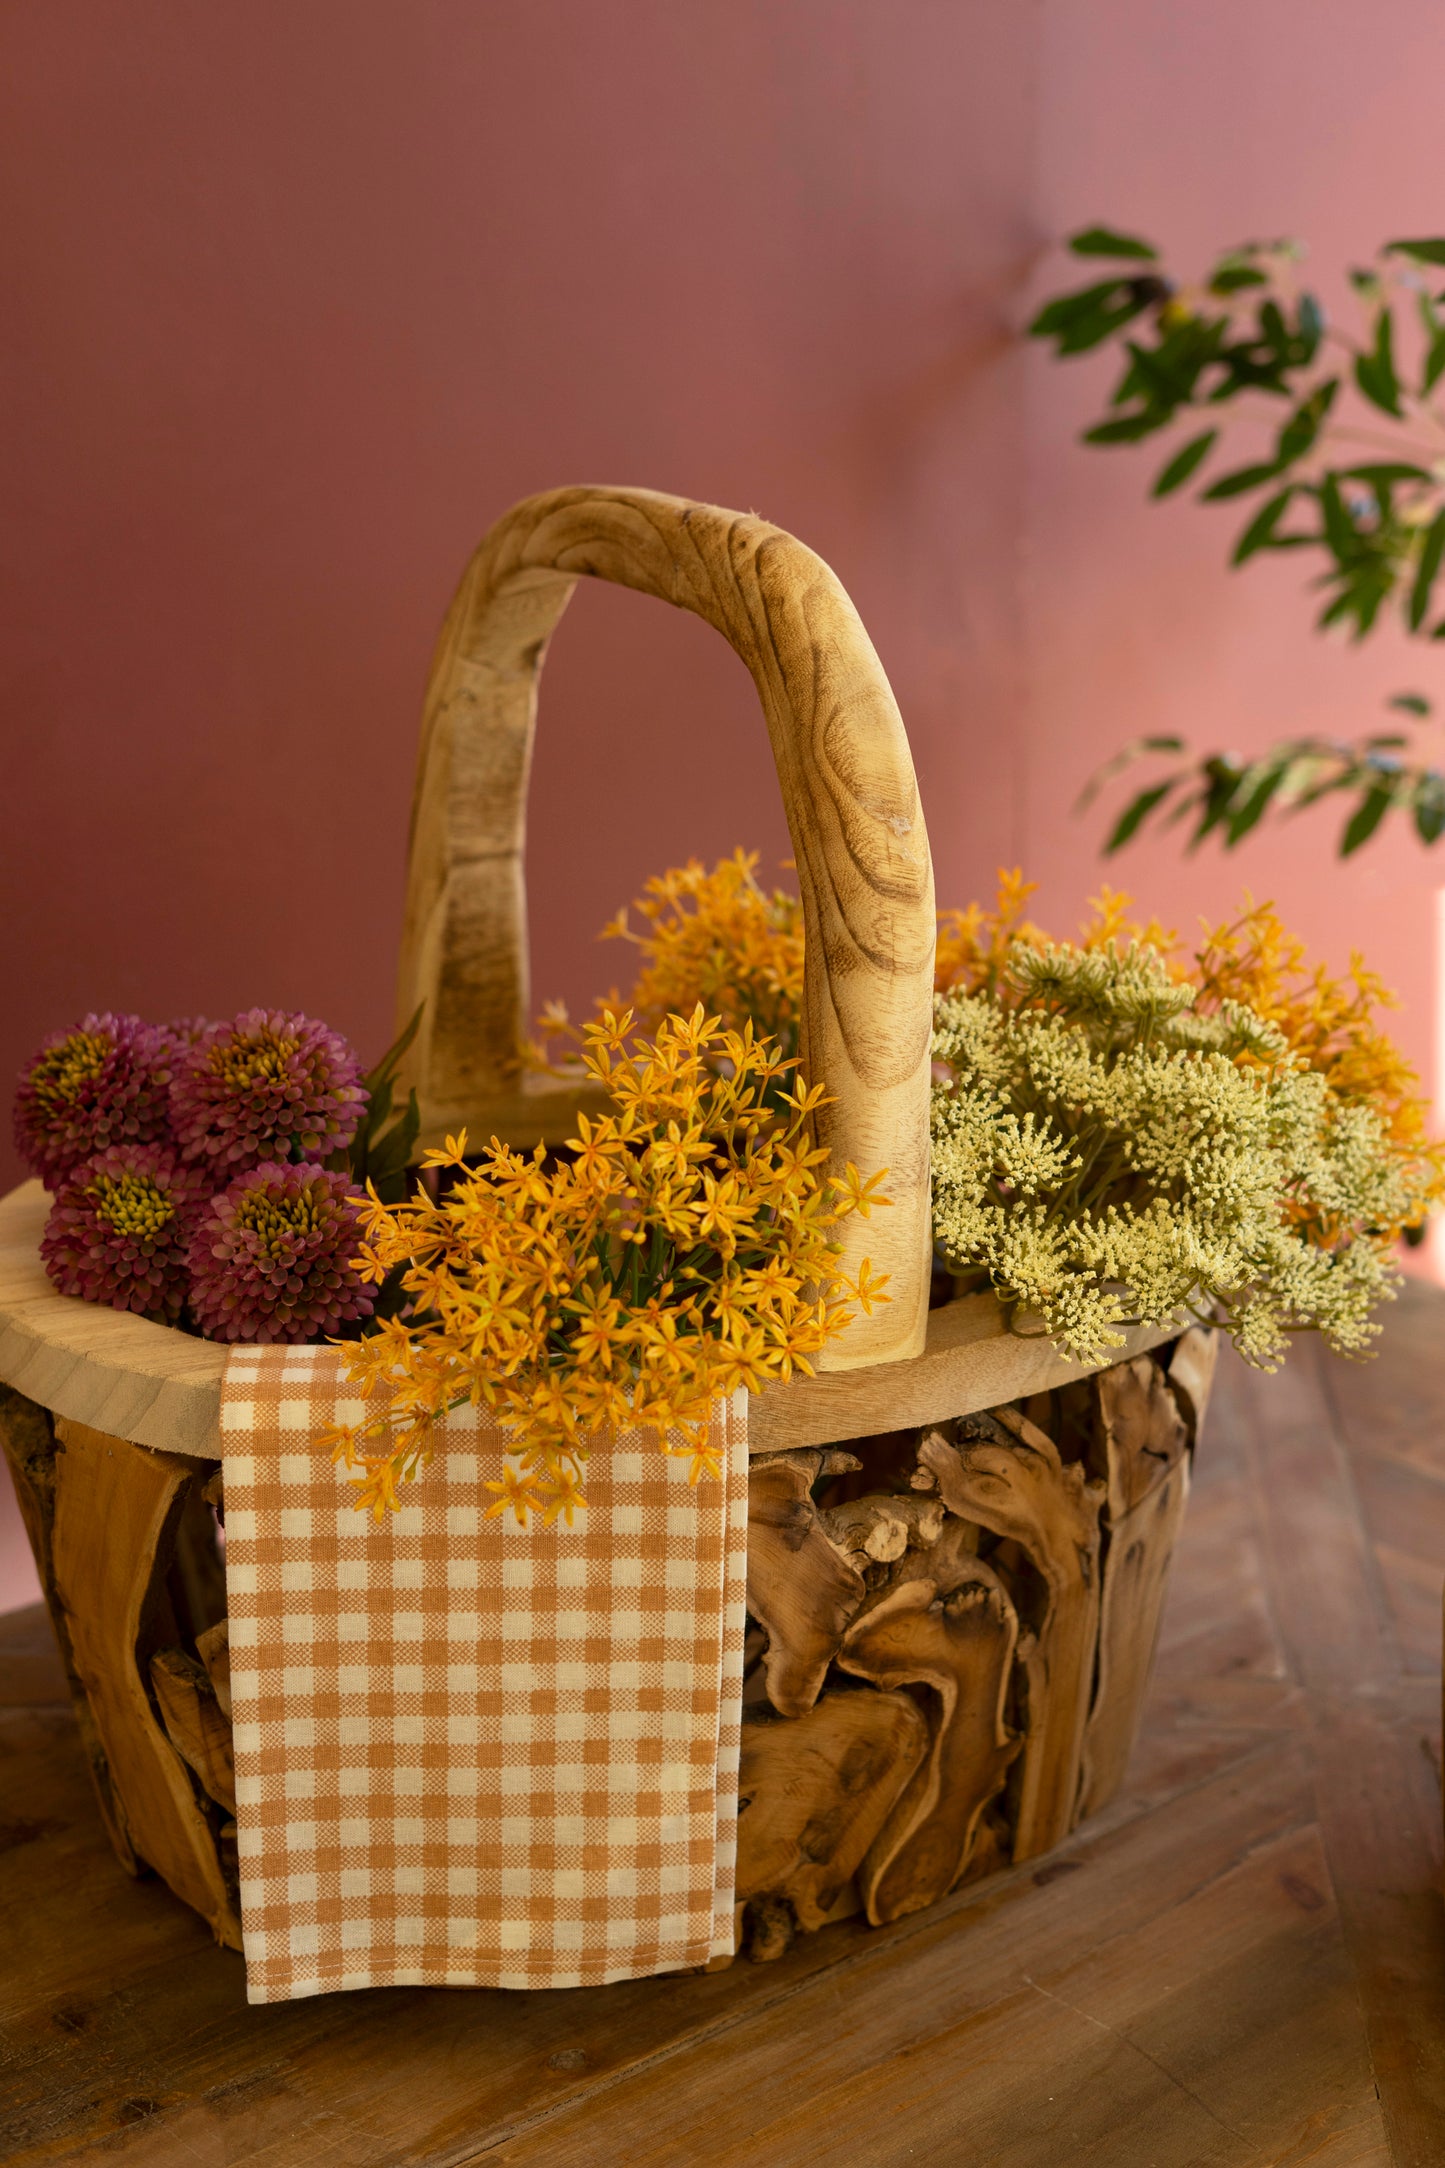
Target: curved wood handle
{"x":852,"y":806}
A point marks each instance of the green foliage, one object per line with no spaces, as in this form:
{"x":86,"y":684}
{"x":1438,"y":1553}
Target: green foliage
{"x":1249,"y":334}
{"x":380,"y":1154}
{"x":1225,"y":795}
{"x":1104,"y":241}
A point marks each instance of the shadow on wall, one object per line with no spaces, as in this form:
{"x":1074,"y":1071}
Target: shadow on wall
{"x":19,"y":1583}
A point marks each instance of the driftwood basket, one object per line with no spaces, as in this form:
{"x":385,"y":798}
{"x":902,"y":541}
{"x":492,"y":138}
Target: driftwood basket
{"x":957,"y":1542}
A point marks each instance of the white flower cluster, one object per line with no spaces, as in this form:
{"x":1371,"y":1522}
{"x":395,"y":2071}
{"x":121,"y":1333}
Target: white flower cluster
{"x":1103,"y":1156}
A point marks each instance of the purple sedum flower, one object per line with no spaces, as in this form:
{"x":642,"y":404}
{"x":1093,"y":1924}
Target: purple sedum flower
{"x":103,"y":1084}
{"x":119,"y":1228}
{"x":270,"y":1257}
{"x":266,"y":1087}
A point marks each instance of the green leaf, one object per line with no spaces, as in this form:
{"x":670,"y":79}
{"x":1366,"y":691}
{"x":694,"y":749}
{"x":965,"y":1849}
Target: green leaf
{"x":1259,"y":788}
{"x":1125,"y":428}
{"x":1433,"y":365}
{"x":372,"y":1156}
{"x":1090,"y":331}
{"x":1340,"y":531}
{"x":1431,"y":553}
{"x":1408,"y":704}
{"x":1232,"y":276}
{"x":1375,"y":371}
{"x":1183,"y":806}
{"x":1167,"y":374}
{"x":1224,"y":773}
{"x":391,"y":1059}
{"x":1184,"y":462}
{"x":1057,"y":315}
{"x":1342,"y":607}
{"x":1429,"y":251}
{"x":389,"y":1160}
{"x":1303,"y":426}
{"x":1384,"y":473}
{"x":394,"y":1151}
{"x":1259,"y":534}
{"x":378,"y":1108}
{"x":1154,"y":375}
{"x":1272,"y":324}
{"x":409,"y":1121}
{"x":1104,"y":241}
{"x":1244,"y":371}
{"x":1135,"y":814}
{"x":1236,"y":483}
{"x":1311,"y":325}
{"x":1136,"y":749}
{"x":1428,"y":806}
{"x":1364,"y":589}
{"x":1366,"y":818}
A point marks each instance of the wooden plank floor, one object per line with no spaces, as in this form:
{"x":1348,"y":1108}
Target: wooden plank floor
{"x":1241,"y":1961}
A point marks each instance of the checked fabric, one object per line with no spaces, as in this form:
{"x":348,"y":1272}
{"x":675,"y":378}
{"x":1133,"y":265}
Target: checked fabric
{"x":470,"y":1754}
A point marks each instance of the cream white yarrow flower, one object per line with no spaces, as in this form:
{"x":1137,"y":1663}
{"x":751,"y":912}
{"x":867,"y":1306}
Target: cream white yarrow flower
{"x":1103,"y":1156}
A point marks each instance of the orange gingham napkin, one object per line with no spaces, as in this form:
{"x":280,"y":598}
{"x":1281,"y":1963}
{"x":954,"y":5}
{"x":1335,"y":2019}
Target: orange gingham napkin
{"x":470,"y":1754}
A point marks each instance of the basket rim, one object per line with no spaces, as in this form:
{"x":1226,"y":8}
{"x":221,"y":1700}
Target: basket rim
{"x":161,"y":1388}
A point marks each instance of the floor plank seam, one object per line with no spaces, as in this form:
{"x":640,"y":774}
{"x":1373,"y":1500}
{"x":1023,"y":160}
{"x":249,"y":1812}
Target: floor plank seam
{"x":1123,"y":2038}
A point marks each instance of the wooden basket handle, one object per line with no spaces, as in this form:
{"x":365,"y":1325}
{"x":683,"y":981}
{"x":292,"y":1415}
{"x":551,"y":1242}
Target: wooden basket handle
{"x":852,"y":805}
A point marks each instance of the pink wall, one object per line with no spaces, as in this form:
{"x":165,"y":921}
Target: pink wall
{"x":308,"y":295}
{"x":302,"y":297}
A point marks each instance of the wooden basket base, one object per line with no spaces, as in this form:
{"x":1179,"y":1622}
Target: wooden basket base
{"x":950,"y":1634}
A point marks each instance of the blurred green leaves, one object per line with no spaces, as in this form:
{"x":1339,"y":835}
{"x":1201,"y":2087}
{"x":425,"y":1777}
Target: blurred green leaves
{"x":1375,"y":371}
{"x":1353,"y":475}
{"x":1249,"y":329}
{"x":1182,"y":465}
{"x":1226,"y":795}
{"x":1104,"y":241}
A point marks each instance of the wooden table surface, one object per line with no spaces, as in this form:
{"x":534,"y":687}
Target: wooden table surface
{"x":1241,"y":1961}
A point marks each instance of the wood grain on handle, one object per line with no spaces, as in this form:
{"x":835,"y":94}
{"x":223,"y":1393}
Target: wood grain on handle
{"x":853,"y":813}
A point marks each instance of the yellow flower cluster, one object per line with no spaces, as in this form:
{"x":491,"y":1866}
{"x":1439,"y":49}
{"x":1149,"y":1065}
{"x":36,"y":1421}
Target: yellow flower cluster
{"x":973,"y":945}
{"x":719,"y":938}
{"x":682,"y":1245}
{"x":716,"y":937}
{"x":683,"y":1248}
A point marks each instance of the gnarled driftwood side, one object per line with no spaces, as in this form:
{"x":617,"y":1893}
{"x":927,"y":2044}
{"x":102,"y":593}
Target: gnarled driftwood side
{"x":952,"y":1630}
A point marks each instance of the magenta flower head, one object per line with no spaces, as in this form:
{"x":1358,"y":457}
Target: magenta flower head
{"x":265,"y":1087}
{"x":270,"y":1257}
{"x":117,"y":1232}
{"x":104,"y":1084}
